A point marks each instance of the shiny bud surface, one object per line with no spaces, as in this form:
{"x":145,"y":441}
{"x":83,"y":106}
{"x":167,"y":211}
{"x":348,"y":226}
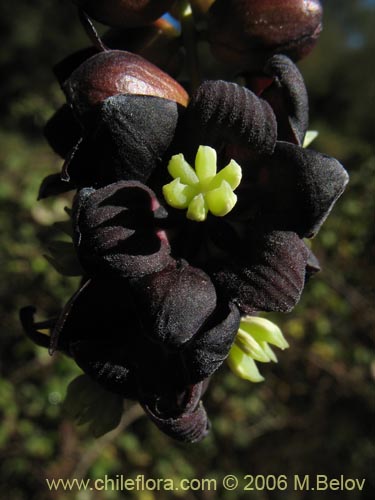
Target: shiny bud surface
{"x":118,"y":72}
{"x":247,"y":32}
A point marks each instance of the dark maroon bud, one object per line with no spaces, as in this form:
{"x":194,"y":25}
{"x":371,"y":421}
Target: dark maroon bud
{"x":116,"y":230}
{"x":176,"y":303}
{"x":123,"y":13}
{"x":245,"y":33}
{"x":118,"y":72}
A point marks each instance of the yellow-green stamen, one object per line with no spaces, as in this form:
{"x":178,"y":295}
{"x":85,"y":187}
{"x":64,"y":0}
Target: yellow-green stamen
{"x":204,"y":189}
{"x":310,"y":136}
{"x":252,"y":344}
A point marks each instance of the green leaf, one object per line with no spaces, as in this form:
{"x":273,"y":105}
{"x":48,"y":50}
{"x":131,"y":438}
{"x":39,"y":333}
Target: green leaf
{"x":88,"y":403}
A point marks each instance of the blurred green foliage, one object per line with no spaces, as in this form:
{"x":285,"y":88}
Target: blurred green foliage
{"x":315,"y":411}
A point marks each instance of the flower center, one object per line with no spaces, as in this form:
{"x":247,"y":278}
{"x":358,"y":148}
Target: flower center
{"x":204,"y":189}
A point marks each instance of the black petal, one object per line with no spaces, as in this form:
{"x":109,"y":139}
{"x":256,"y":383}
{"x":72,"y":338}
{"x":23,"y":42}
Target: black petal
{"x":288,"y":98}
{"x":206,"y":352}
{"x":268,"y":274}
{"x":73,"y":320}
{"x":99,"y":328}
{"x":132,"y":135}
{"x":303,"y":187}
{"x":102,"y":328}
{"x":116,"y":231}
{"x":190,"y":424}
{"x":108,"y":363}
{"x":128,"y":140}
{"x":312,"y":265}
{"x":222,"y":113}
{"x":175,"y":302}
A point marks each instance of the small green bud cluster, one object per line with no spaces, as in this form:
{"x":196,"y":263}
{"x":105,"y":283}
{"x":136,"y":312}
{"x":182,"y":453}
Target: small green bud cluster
{"x":252,"y":344}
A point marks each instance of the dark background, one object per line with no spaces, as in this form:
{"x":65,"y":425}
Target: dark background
{"x":314,"y":414}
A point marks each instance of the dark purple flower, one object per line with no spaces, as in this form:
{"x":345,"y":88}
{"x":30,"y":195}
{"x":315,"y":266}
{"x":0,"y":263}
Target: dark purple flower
{"x":109,"y":335}
{"x":162,"y":303}
{"x":119,"y":121}
{"x":255,"y":255}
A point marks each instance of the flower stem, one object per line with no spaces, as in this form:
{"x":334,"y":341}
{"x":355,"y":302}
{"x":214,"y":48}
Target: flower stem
{"x":91,"y":31}
{"x":189,"y":38}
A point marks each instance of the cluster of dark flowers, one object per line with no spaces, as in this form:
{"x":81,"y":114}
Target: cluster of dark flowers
{"x":194,"y":196}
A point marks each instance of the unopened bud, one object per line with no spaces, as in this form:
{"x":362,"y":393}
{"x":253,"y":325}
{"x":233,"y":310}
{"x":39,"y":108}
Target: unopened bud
{"x":116,"y":72}
{"x":251,"y":344}
{"x":245,"y":33}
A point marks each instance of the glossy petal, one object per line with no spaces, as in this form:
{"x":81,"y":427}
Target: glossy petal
{"x":116,"y":231}
{"x":115,"y":72}
{"x":268,"y":275}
